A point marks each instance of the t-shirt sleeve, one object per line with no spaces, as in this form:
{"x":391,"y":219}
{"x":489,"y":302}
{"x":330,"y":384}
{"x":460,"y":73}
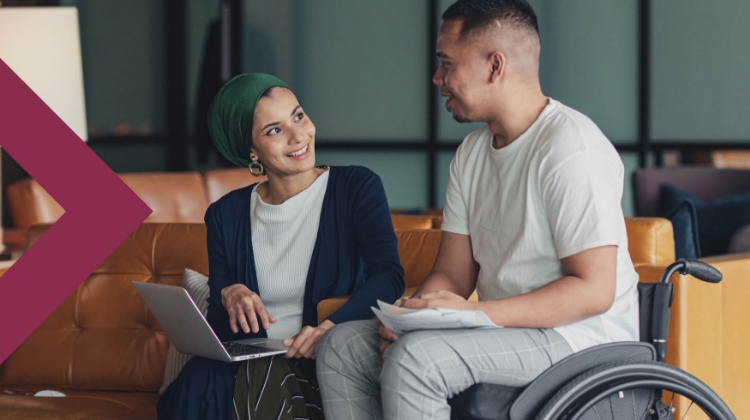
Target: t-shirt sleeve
{"x":581,"y":197}
{"x":455,"y":213}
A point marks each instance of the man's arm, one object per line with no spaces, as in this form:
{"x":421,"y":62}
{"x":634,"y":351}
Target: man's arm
{"x":454,"y":270}
{"x":586,"y":289}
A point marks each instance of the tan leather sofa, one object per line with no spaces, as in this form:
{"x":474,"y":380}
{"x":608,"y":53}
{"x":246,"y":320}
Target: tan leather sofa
{"x":105,"y":350}
{"x":173,"y":196}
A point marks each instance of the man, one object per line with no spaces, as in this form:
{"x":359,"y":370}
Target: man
{"x":532,"y":220}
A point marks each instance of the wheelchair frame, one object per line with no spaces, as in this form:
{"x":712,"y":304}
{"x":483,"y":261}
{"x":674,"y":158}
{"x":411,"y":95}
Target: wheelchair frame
{"x":584,"y":380}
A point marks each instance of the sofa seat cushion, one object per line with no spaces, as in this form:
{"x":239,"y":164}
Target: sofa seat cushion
{"x":104,"y":405}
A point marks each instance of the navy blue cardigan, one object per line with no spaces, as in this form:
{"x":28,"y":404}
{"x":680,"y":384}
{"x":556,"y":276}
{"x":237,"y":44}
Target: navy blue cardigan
{"x":355,"y":253}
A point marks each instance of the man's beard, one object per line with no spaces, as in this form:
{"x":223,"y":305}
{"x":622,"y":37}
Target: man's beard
{"x":461,"y":119}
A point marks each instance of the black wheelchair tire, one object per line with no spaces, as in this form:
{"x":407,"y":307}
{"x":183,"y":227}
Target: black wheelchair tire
{"x":592,"y":383}
{"x":713,"y":411}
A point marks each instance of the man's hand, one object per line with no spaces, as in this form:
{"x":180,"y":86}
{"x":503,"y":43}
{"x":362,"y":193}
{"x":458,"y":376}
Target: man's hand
{"x":306,"y":341}
{"x":386,"y":338}
{"x":243,"y":305}
{"x":441,"y":299}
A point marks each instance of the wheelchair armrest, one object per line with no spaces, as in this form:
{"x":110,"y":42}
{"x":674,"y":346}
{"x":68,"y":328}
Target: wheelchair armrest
{"x":538,"y":392}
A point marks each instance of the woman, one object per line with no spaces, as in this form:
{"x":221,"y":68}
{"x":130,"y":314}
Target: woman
{"x":275,"y":250}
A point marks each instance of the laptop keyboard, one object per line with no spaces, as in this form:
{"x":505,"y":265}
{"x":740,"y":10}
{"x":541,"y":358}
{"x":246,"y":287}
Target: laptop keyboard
{"x":237,"y":349}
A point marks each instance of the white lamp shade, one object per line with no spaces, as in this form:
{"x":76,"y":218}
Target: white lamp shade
{"x":42,"y":46}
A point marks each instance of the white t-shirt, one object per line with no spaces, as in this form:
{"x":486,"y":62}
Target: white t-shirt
{"x":284,"y":237}
{"x":553,"y":192}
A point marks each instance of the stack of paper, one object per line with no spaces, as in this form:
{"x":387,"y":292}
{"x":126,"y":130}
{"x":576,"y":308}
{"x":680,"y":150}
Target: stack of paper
{"x":402,"y":320}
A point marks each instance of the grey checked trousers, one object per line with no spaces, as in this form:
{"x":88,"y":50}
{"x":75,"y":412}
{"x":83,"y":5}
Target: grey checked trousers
{"x":423,"y":369}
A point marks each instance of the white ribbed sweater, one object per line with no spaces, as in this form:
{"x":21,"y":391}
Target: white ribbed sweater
{"x":283,"y":240}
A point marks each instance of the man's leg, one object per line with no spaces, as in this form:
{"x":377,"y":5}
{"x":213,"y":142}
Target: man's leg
{"x":348,"y":376}
{"x":423,"y":369}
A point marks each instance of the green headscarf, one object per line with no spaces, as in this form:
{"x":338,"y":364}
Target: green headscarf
{"x":230,"y":117}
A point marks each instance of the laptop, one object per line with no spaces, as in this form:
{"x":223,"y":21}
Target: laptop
{"x":190,"y":332}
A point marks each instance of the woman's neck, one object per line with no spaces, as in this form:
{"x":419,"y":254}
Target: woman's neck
{"x":278,"y":189}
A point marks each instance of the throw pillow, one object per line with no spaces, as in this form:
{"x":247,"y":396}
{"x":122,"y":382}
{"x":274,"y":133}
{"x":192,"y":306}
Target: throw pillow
{"x":684,"y":220}
{"x":196,"y":285}
{"x":718,"y":220}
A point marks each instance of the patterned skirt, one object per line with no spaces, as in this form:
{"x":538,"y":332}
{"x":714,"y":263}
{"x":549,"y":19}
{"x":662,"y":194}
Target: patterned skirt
{"x":273,"y":388}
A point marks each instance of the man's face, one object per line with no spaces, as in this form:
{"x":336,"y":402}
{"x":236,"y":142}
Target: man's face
{"x":459,"y":76}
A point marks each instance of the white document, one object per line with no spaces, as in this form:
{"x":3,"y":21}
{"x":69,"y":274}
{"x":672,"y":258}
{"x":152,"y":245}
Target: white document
{"x":402,"y":320}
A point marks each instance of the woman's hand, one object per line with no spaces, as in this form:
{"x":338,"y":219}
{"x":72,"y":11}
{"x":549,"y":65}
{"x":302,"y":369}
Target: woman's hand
{"x":305,"y":343}
{"x":243,"y":305}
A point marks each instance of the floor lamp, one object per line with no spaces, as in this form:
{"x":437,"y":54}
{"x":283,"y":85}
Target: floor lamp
{"x":42,"y":46}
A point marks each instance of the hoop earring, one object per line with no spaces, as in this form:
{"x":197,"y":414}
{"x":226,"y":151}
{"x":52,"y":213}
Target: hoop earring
{"x":257,"y":166}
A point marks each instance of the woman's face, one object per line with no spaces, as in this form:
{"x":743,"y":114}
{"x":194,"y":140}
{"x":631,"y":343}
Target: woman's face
{"x":283,"y":135}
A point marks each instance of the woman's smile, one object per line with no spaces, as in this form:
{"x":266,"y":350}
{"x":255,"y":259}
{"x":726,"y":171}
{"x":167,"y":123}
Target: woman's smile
{"x":301,"y":153}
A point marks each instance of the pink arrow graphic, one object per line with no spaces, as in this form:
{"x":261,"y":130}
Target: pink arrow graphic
{"x":100,"y":211}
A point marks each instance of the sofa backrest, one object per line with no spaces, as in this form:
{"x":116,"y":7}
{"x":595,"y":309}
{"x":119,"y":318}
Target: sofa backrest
{"x":103,"y":337}
{"x":408,"y":221}
{"x":173,"y":197}
{"x":650,"y":240}
{"x":218,"y":182}
{"x":704,"y":181}
{"x":29,"y":203}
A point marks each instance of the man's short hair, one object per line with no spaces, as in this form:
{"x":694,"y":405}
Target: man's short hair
{"x":479,"y":14}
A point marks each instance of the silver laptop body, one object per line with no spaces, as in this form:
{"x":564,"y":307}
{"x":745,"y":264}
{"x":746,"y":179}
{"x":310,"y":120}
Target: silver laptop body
{"x":190,"y":332}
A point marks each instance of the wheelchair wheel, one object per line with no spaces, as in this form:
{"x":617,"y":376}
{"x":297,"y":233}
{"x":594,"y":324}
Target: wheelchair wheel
{"x":597,"y":389}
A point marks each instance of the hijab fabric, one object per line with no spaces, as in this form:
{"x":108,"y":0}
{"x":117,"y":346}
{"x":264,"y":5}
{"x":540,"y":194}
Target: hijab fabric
{"x":230,"y":117}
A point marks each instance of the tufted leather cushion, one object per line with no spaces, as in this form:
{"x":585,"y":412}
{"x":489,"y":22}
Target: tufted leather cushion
{"x":103,"y":336}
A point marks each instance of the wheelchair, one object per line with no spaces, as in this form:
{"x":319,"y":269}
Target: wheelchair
{"x":615,"y":381}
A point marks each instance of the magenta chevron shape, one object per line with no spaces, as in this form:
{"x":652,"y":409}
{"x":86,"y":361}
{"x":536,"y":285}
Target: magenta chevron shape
{"x":100,"y":211}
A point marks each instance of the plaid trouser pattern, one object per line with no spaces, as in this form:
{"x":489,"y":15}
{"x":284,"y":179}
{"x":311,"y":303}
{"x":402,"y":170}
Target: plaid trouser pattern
{"x":423,"y":369}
